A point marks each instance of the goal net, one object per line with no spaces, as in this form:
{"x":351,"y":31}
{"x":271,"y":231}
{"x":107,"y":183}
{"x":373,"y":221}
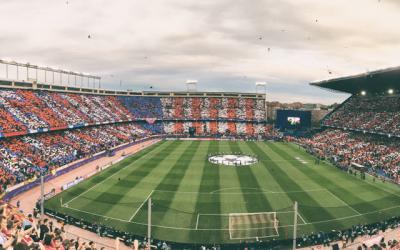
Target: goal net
{"x":253,"y":225}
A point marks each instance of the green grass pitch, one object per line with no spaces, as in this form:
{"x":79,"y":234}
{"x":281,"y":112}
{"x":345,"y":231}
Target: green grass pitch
{"x":196,"y":201}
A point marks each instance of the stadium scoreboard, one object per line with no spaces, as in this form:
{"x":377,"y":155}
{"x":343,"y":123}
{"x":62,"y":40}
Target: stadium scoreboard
{"x":293,"y":119}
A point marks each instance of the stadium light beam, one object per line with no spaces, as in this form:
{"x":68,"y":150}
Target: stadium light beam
{"x":390,"y":91}
{"x":363,"y":93}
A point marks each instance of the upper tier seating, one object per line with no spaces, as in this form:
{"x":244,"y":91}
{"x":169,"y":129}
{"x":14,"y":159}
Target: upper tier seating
{"x":27,"y":111}
{"x":142,"y":107}
{"x":212,"y":108}
{"x":34,"y":110}
{"x":375,"y":114}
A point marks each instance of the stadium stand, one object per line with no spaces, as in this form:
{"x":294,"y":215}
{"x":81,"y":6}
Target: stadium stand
{"x":375,"y":114}
{"x":380,"y":155}
{"x":30,"y":111}
{"x":347,"y":237}
{"x":30,"y":231}
{"x":43,"y":130}
{"x":27,"y":156}
{"x":78,"y":122}
{"x":26,"y":111}
{"x":237,"y":116}
{"x":213,"y":108}
{"x":143,"y":107}
{"x":365,"y":129}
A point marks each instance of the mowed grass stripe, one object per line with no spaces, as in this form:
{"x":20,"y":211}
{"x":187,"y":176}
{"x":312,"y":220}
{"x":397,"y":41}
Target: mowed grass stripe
{"x":162,"y":200}
{"x":253,"y":203}
{"x":318,"y":176}
{"x":353,"y":197}
{"x":314,"y":212}
{"x":209,"y":204}
{"x":282,"y":202}
{"x":230,"y":182}
{"x":103,"y":175}
{"x":146,"y":179}
{"x":371,"y":191}
{"x":249,"y":181}
{"x":329,"y":201}
{"x":326,"y":200}
{"x":185,"y":197}
{"x":279,"y":200}
{"x":107,"y":199}
{"x":386,"y":187}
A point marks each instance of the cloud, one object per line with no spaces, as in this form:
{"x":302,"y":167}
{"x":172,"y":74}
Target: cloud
{"x":163,"y":43}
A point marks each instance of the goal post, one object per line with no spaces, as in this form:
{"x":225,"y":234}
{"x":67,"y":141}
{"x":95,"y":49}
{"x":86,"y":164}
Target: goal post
{"x":244,"y":226}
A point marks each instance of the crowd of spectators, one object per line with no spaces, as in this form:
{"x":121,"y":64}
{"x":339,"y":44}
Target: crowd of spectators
{"x":104,"y":231}
{"x":380,"y":154}
{"x":25,"y":157}
{"x":31,"y":231}
{"x":196,"y":108}
{"x":347,"y":237}
{"x":218,"y":128}
{"x":27,"y":111}
{"x":22,"y":110}
{"x":19,"y":231}
{"x":375,"y":113}
{"x":143,"y":107}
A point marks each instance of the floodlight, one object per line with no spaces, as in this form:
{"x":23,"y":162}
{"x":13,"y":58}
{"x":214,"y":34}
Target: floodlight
{"x":261,"y":83}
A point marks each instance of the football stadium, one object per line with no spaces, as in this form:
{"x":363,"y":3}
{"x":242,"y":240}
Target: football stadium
{"x":87,"y":164}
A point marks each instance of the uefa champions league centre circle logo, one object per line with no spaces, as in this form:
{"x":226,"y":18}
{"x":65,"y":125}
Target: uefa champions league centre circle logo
{"x":233,"y":159}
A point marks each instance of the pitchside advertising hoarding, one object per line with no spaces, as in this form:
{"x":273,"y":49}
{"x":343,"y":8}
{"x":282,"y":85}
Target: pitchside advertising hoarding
{"x":293,"y":119}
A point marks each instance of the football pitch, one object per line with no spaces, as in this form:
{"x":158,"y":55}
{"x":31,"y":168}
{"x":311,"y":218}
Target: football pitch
{"x":195,"y":201}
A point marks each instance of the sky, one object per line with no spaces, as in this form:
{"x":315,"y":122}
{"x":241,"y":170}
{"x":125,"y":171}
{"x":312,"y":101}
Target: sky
{"x":224,"y":45}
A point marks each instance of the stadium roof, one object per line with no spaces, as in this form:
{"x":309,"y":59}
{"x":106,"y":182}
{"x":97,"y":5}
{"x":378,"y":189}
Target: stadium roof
{"x":378,"y":81}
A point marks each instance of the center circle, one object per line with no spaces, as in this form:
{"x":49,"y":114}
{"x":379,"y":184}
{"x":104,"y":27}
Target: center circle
{"x":233,"y":159}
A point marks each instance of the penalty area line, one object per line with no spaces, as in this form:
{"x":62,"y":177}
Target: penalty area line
{"x":301,"y":217}
{"x":197,"y":221}
{"x":99,"y":215}
{"x":345,"y":203}
{"x":224,"y":229}
{"x":141,"y":205}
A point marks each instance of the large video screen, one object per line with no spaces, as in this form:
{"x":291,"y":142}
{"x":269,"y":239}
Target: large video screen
{"x":293,"y":119}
